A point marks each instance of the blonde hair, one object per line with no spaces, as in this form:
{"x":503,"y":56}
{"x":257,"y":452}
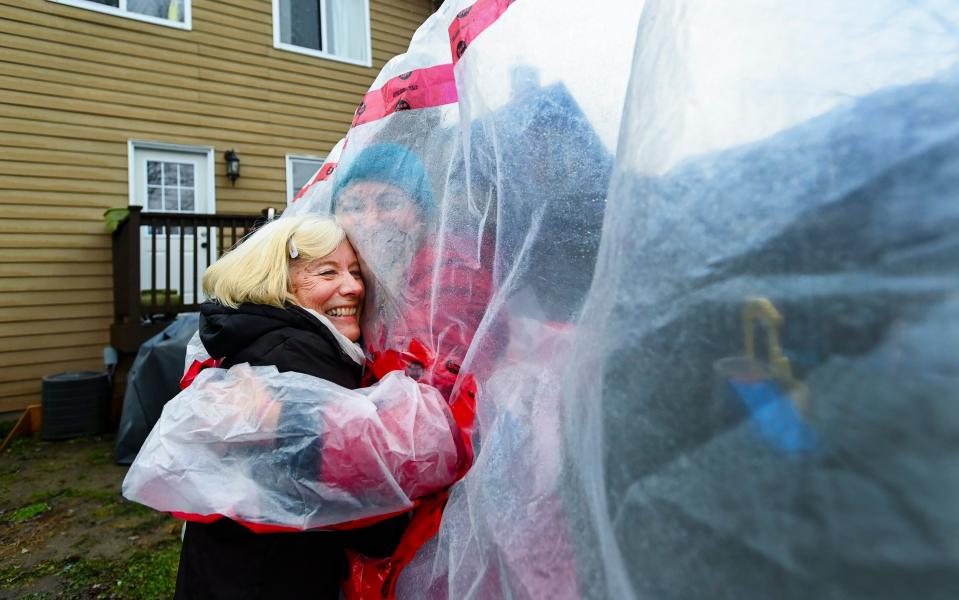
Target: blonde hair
{"x":257,"y":270}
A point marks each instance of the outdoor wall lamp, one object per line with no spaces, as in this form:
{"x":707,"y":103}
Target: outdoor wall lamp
{"x":232,"y":165}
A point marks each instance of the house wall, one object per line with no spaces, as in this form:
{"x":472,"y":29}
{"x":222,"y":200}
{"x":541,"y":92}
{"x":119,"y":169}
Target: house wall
{"x":76,"y":85}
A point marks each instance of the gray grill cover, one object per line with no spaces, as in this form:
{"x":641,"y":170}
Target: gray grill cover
{"x":153,"y":380}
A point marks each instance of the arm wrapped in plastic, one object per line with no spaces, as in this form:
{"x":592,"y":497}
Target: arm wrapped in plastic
{"x":281,"y":451}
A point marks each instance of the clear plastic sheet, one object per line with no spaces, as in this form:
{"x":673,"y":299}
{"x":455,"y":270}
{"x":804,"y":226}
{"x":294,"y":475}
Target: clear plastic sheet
{"x":291,"y":450}
{"x":477,"y":218}
{"x":766,"y":398}
{"x":758,"y":396}
{"x":698,"y":264}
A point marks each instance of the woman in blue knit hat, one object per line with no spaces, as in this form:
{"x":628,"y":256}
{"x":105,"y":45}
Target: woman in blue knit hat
{"x":428,"y":297}
{"x":384,"y":199}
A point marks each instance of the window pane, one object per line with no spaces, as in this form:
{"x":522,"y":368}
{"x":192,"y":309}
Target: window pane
{"x":153,"y":172}
{"x":164,"y":9}
{"x":346,"y":29}
{"x":300,"y":23}
{"x":154,"y":198}
{"x":169,"y":174}
{"x":107,"y":2}
{"x":302,"y":170}
{"x":187,"y":201}
{"x":170,"y":199}
{"x":186,"y":174}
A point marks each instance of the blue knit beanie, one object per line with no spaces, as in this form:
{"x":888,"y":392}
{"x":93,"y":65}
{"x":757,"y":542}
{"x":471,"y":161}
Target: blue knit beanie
{"x":391,"y":164}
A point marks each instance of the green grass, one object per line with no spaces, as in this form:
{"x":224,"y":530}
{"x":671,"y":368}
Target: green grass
{"x":25,"y":513}
{"x":143,"y":570}
{"x":100,"y":457}
{"x":15,"y":575}
{"x":21,"y":446}
{"x":148,"y":574}
{"x":99,"y":496}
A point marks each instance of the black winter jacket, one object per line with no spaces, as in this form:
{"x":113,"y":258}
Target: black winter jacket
{"x":224,"y":559}
{"x":291,"y":339}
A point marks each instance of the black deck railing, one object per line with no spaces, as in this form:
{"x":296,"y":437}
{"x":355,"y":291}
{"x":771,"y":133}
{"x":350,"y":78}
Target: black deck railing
{"x":158,"y":265}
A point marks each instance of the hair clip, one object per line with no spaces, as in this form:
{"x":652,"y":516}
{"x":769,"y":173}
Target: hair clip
{"x":293,"y":251}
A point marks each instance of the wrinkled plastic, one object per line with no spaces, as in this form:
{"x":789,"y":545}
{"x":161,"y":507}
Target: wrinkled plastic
{"x":288,"y":450}
{"x":754,"y":392}
{"x":765,"y":404}
{"x":195,"y":353}
{"x":697,"y":265}
{"x":478,"y":281}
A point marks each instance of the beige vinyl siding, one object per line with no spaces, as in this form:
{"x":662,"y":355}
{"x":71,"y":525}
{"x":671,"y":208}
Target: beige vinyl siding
{"x":77,"y":85}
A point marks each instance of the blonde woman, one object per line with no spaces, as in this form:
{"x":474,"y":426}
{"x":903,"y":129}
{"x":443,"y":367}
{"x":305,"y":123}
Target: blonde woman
{"x":273,"y":445}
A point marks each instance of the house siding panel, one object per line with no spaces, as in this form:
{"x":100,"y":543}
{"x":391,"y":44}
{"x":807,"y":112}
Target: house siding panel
{"x":76,"y":85}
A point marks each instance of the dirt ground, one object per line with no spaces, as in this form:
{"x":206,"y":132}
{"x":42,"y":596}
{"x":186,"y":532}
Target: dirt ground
{"x":65,"y":531}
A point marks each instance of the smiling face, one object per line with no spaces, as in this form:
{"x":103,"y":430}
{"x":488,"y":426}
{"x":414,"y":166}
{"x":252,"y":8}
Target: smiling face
{"x":333,"y":286}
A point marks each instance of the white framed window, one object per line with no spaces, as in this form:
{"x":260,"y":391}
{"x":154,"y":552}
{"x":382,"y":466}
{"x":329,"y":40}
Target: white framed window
{"x":174,"y":179}
{"x":334,"y":29}
{"x":171,"y":13}
{"x":299,"y":170}
{"x":171,"y":177}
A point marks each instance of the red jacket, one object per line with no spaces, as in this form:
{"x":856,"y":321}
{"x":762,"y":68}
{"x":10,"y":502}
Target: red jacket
{"x":448,"y":295}
{"x":445,"y":301}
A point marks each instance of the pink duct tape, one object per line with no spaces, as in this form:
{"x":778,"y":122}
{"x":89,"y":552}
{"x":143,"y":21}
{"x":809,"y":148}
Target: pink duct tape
{"x":420,"y":88}
{"x":472,"y":21}
{"x":325,"y":171}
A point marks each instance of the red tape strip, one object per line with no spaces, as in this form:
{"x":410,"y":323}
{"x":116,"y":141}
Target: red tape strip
{"x":472,"y":21}
{"x":421,"y":88}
